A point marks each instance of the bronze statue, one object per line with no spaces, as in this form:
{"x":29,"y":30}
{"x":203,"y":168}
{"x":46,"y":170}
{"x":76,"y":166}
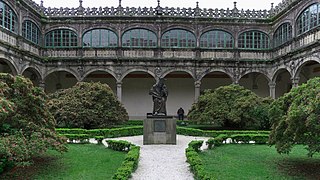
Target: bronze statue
{"x":159,"y":94}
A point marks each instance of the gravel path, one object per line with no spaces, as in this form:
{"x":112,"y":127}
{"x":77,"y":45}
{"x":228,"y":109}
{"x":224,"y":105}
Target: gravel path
{"x":158,"y":162}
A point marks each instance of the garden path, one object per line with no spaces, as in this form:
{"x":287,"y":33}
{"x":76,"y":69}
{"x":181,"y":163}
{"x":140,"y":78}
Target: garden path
{"x":159,"y":162}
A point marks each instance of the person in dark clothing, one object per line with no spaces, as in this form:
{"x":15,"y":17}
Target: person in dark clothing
{"x":180,"y":113}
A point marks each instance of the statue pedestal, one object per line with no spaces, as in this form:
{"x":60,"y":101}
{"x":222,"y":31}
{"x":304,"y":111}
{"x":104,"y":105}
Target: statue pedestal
{"x":159,"y":130}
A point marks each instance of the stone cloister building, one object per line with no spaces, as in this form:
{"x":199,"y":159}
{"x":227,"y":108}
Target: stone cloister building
{"x":129,"y":48}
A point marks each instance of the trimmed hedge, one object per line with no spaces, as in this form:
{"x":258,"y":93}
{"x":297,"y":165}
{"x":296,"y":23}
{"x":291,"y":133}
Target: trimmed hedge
{"x":99,"y":134}
{"x":214,"y":133}
{"x":195,"y":161}
{"x":119,"y":145}
{"x":238,"y":138}
{"x":131,"y":160}
{"x":217,"y":141}
{"x":105,"y":133}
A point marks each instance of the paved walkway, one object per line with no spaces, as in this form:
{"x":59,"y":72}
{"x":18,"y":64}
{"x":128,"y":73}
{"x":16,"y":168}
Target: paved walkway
{"x":159,"y":162}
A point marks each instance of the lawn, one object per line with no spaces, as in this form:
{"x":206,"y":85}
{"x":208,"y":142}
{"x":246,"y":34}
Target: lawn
{"x":82,"y":161}
{"x":259,"y":162}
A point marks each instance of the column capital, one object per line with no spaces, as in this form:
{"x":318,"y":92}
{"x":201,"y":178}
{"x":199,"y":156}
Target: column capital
{"x":197,"y":84}
{"x":272,"y":84}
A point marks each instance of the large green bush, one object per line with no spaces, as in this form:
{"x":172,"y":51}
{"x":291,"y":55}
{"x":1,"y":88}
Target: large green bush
{"x":295,"y":118}
{"x":230,"y":106}
{"x":87,"y":105}
{"x":26,"y":125}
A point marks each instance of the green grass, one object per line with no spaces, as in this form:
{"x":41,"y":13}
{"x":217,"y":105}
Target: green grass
{"x":81,"y":162}
{"x":259,"y":162}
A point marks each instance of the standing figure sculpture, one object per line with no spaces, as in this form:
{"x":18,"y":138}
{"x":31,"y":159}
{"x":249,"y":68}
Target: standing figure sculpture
{"x":159,"y":94}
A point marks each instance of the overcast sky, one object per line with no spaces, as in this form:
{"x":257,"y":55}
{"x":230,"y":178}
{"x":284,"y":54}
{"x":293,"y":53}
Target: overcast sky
{"x":241,"y":4}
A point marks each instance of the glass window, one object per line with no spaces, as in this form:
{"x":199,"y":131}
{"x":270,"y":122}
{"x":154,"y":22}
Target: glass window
{"x":8,"y":19}
{"x":216,"y":39}
{"x":178,"y":38}
{"x":253,"y":40}
{"x":100,"y":38}
{"x":282,"y":34}
{"x":31,"y":32}
{"x":139,"y":38}
{"x":308,"y":19}
{"x":61,"y":38}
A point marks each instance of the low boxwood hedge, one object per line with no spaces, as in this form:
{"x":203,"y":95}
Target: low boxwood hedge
{"x":130,"y":163}
{"x":195,"y":161}
{"x":238,"y":138}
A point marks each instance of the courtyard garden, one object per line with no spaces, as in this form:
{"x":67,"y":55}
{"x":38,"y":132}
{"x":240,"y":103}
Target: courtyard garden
{"x":248,"y":137}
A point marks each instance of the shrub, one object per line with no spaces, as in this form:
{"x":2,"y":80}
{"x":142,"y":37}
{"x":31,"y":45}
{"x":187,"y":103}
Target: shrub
{"x":229,"y":107}
{"x":295,"y":118}
{"x":26,"y":125}
{"x":88,"y":106}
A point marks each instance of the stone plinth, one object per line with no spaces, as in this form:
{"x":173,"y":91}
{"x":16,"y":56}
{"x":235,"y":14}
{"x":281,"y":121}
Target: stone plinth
{"x":159,"y":130}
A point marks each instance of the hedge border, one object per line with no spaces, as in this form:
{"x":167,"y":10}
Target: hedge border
{"x":130,"y":163}
{"x":195,"y":161}
{"x":138,"y":130}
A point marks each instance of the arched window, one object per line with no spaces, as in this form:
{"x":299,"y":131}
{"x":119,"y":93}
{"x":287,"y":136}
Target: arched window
{"x":61,"y":38}
{"x":216,"y":39}
{"x":282,"y":34}
{"x":308,"y":19}
{"x":253,"y":40}
{"x":31,"y":32}
{"x":100,"y":38}
{"x":139,"y":38}
{"x":8,"y":19}
{"x":178,"y":38}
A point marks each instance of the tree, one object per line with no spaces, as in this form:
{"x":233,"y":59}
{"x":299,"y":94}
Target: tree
{"x":87,"y":105}
{"x":229,"y":106}
{"x":26,"y":126}
{"x":295,"y":118}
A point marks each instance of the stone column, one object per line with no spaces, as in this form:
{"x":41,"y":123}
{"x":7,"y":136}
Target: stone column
{"x":295,"y":81}
{"x":119,"y":91}
{"x":42,"y":84}
{"x":272,"y":88}
{"x":197,"y":86}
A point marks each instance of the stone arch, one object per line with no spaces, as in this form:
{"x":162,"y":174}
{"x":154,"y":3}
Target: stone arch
{"x":213,"y":79}
{"x":59,"y":78}
{"x":33,"y":73}
{"x":99,"y":69}
{"x":221,"y":70}
{"x":282,"y":80}
{"x":136,"y":84}
{"x":139,"y":26}
{"x":303,"y":63}
{"x":11,"y":64}
{"x":256,"y":71}
{"x":57,"y":27}
{"x":33,"y":68}
{"x":12,"y":5}
{"x":75,"y":74}
{"x":136,"y":70}
{"x":89,"y":28}
{"x":104,"y":76}
{"x":278,"y":71}
{"x":178,"y":70}
{"x":30,"y":18}
{"x":172,"y":27}
{"x":181,"y":90}
{"x":302,"y":8}
{"x":256,"y":81}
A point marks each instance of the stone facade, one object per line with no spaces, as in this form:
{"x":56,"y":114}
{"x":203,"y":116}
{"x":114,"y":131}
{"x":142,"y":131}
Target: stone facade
{"x":272,"y":71}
